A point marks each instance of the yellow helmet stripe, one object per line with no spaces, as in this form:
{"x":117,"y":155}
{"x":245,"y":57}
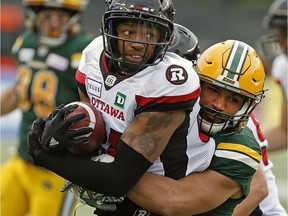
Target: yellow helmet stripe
{"x":241,"y":149}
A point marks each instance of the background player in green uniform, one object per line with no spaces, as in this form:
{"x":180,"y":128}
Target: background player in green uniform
{"x":47,"y":53}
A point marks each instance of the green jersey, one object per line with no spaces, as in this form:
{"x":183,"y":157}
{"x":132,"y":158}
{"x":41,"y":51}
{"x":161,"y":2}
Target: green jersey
{"x":236,"y":156}
{"x":45,"y":78}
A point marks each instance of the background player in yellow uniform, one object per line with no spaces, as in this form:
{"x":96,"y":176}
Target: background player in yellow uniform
{"x":47,"y":52}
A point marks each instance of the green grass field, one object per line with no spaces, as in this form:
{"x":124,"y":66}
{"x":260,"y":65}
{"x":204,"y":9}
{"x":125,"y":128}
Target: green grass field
{"x":279,"y":159}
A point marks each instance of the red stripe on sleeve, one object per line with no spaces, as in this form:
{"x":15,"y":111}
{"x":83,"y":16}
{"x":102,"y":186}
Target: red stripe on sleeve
{"x":259,"y":131}
{"x":80,"y":77}
{"x":143,"y":101}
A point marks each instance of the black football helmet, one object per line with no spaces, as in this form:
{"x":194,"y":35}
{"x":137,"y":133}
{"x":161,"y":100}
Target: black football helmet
{"x":185,"y":43}
{"x":275,"y":42}
{"x":276,"y":16}
{"x":147,"y":13}
{"x":168,"y":9}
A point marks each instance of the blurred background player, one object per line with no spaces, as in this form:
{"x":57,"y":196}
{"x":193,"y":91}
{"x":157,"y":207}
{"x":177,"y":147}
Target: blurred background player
{"x":276,"y":49}
{"x":48,"y":53}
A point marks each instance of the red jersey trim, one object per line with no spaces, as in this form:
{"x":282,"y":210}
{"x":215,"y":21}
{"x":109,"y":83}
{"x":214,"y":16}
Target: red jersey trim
{"x":80,"y":77}
{"x":143,"y":101}
{"x":259,"y":131}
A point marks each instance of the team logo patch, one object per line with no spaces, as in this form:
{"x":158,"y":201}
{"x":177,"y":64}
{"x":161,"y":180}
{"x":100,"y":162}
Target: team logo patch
{"x":176,"y":75}
{"x":141,"y":212}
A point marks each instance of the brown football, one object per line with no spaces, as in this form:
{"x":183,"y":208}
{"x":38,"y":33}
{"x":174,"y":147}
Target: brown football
{"x":94,"y":120}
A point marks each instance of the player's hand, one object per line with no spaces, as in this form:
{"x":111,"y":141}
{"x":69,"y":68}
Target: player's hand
{"x":57,"y":134}
{"x":107,"y":203}
{"x":102,"y":203}
{"x":33,"y":137}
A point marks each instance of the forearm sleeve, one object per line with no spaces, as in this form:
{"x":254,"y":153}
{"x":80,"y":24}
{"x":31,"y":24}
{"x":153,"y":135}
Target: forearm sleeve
{"x":115,"y":178}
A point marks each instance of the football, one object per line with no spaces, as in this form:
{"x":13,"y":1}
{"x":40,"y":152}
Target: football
{"x":94,"y":120}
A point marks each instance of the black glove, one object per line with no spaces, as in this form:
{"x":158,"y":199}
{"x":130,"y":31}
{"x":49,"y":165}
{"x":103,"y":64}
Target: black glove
{"x":57,"y":134}
{"x":33,"y":137}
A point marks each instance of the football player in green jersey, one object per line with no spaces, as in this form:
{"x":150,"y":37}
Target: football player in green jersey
{"x":232,"y":79}
{"x":47,"y":52}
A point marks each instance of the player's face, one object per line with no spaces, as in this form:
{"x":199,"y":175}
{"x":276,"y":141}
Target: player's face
{"x":220,"y":99}
{"x":132,"y":50}
{"x":52,"y":23}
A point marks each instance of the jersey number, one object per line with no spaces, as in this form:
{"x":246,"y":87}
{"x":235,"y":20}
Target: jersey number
{"x":43,"y":90}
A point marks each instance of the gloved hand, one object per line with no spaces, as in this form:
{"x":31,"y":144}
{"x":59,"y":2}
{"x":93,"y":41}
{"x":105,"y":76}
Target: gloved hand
{"x":57,"y":134}
{"x":33,"y":137}
{"x":107,"y":203}
{"x":93,"y":199}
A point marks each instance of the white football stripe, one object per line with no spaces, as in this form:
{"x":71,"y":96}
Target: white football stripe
{"x":91,"y":115}
{"x":237,"y":156}
{"x":230,"y":60}
{"x":243,"y":55}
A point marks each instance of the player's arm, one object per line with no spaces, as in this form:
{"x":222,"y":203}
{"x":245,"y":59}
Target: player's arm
{"x":141,"y":143}
{"x":8,"y":101}
{"x":195,"y":193}
{"x":83,"y":96}
{"x":258,"y":191}
{"x":150,"y":132}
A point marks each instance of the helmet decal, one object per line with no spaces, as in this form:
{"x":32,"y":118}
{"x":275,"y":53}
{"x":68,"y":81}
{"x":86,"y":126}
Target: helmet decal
{"x":236,"y":60}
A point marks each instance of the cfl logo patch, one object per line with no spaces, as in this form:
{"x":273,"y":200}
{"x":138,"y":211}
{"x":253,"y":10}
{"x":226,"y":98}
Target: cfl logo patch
{"x":110,"y":80}
{"x":176,"y":75}
{"x":141,"y":212}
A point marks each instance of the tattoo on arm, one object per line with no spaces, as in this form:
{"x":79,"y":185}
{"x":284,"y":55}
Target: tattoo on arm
{"x":149,"y":132}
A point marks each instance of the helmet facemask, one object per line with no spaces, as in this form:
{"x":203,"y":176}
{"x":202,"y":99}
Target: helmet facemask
{"x":54,"y":39}
{"x":216,"y":123}
{"x":146,"y":25}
